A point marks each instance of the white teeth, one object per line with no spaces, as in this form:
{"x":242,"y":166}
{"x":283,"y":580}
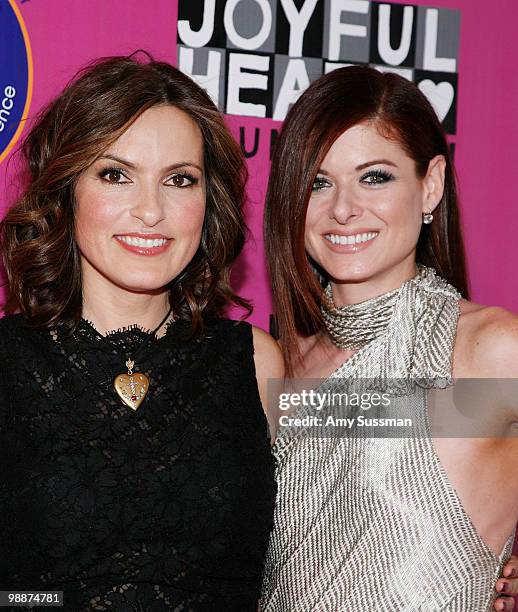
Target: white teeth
{"x":142,"y":242}
{"x":356,"y":239}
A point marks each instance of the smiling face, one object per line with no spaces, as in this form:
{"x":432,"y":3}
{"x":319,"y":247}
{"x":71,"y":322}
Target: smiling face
{"x":140,"y":206}
{"x":365,"y":212}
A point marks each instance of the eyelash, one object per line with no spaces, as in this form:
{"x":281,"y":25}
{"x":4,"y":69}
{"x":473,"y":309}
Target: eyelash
{"x":106,"y":171}
{"x":321,"y":183}
{"x":379,"y":174}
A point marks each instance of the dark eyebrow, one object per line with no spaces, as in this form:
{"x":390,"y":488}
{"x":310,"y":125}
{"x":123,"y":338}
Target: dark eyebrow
{"x":387,"y":162}
{"x":365,"y":165}
{"x":129,"y":164}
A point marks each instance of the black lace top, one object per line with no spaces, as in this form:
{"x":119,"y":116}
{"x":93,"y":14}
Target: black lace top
{"x":165,"y":508}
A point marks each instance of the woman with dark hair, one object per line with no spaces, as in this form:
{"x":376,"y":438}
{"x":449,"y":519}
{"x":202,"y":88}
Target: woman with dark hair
{"x":370,"y":284}
{"x":137,"y":472}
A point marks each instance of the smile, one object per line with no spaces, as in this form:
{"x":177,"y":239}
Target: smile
{"x":153,"y":245}
{"x":350,"y":240}
{"x":142,"y":242}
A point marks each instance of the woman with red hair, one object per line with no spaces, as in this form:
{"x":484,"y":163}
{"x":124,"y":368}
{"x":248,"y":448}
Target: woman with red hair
{"x":367,"y":265}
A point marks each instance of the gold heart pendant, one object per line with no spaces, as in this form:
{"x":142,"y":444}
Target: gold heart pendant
{"x":131,"y":388}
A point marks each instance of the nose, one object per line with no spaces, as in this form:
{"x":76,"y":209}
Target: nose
{"x":149,"y":206}
{"x":344,"y":206}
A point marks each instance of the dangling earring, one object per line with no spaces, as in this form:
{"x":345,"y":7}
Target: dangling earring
{"x":427,"y":218}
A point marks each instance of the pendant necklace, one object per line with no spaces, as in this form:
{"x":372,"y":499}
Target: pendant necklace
{"x":132,"y":387}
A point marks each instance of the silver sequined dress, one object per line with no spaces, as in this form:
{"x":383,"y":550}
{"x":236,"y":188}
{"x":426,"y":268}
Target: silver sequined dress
{"x":372,"y":523}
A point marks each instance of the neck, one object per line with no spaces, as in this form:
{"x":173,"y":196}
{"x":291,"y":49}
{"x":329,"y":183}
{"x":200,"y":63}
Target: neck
{"x":112,"y":308}
{"x":345,"y":293}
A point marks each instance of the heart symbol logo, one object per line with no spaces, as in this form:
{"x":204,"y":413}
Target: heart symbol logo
{"x":131,"y":388}
{"x":440,"y":95}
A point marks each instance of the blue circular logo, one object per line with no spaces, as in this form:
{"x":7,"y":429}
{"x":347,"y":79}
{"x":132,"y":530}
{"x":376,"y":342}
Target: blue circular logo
{"x":16,"y":75}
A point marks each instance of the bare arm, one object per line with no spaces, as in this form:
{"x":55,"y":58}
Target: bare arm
{"x":496,"y":356}
{"x":269,"y":366}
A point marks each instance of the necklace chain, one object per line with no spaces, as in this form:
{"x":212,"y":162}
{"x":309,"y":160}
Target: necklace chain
{"x":151,"y":336}
{"x":133,"y":386}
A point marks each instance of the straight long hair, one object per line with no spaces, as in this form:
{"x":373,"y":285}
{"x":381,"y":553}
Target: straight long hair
{"x":331,"y":105}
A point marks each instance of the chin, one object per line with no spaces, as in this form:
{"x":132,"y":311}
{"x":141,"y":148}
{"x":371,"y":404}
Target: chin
{"x":350,"y":278}
{"x":140,"y":285}
{"x":351,"y":274}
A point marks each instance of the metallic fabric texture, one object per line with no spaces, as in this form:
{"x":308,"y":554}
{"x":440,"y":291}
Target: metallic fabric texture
{"x":373,"y":523}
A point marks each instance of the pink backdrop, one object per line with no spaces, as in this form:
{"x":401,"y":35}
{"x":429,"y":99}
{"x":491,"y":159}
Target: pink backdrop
{"x":65,"y":34}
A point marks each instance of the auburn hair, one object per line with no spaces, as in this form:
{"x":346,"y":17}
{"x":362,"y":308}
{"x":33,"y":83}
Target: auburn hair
{"x":329,"y":106}
{"x":39,"y":250}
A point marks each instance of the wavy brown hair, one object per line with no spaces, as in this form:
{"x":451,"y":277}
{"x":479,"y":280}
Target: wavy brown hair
{"x":40,"y":253}
{"x":332,"y":104}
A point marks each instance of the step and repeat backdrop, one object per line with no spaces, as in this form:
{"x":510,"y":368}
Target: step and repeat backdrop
{"x":254,"y":57}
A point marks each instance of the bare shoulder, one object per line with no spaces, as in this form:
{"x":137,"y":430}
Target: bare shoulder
{"x":269,"y":366}
{"x":487,"y":340}
{"x":267,"y":354}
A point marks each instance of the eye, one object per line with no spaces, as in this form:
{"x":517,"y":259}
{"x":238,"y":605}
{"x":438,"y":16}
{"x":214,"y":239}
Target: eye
{"x":114,"y":176}
{"x":182,"y":179}
{"x":320,"y":183}
{"x":377,"y":177}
